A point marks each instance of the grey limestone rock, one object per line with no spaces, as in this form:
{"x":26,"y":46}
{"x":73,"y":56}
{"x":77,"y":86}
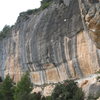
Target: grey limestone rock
{"x":51,"y":44}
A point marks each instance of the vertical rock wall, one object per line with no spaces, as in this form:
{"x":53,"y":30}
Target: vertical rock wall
{"x":51,"y":44}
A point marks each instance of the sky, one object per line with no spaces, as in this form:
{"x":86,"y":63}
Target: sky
{"x":10,"y":9}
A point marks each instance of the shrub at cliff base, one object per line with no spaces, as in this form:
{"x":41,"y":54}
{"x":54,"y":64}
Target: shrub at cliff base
{"x":6,"y":89}
{"x":67,"y":91}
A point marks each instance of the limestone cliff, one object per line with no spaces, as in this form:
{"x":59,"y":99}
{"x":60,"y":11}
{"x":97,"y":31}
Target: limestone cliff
{"x":53,"y":44}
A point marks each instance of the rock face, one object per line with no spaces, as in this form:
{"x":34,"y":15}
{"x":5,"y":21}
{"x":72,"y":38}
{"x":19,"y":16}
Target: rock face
{"x":90,"y":10}
{"x":53,"y":44}
{"x":91,"y":86}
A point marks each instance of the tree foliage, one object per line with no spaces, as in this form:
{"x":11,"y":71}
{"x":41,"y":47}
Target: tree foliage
{"x":67,"y":91}
{"x":5,"y":31}
{"x":7,"y":89}
{"x":24,"y":88}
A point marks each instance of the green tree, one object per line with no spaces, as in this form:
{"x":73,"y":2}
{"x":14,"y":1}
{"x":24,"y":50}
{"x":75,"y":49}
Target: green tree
{"x":23,"y":88}
{"x":7,"y":89}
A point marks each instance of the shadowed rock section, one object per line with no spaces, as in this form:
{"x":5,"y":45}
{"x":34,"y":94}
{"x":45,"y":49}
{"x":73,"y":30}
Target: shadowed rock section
{"x":51,"y":44}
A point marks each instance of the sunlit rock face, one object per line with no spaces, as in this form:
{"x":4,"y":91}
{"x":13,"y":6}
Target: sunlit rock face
{"x":52,"y":44}
{"x":91,"y":16}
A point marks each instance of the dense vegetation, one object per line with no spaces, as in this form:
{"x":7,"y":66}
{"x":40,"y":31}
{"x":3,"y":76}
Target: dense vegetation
{"x":5,"y":31}
{"x":23,"y":90}
{"x":6,"y":89}
{"x":67,"y":91}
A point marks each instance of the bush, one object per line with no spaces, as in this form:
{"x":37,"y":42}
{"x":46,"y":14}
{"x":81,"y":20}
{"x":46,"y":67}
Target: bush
{"x":67,"y":91}
{"x":45,"y":3}
{"x":25,"y":15}
{"x":29,"y":12}
{"x":5,"y":31}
